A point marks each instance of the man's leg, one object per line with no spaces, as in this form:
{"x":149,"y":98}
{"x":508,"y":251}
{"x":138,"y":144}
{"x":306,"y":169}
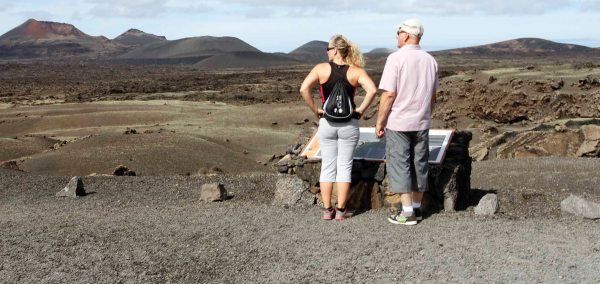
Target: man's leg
{"x":398,"y":172}
{"x":421,"y":166}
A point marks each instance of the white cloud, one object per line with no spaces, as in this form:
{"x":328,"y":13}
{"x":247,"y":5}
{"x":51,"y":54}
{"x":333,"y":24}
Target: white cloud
{"x":437,"y":7}
{"x":127,"y":9}
{"x":317,"y":8}
{"x":588,"y":5}
{"x":146,"y":8}
{"x":5,"y":6}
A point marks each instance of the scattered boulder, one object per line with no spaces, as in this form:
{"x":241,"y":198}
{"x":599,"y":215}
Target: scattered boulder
{"x":123,"y":171}
{"x":212,"y":171}
{"x":283,"y":164}
{"x":213,"y":192}
{"x":488,"y":205}
{"x":580,"y":207}
{"x":557,"y":85}
{"x":130,"y":131}
{"x":57,"y":145}
{"x":292,"y":191}
{"x":492,"y":79}
{"x":301,"y":122}
{"x":591,"y":142}
{"x":588,"y":83}
{"x":11,"y":165}
{"x":73,"y":189}
{"x":294,"y":149}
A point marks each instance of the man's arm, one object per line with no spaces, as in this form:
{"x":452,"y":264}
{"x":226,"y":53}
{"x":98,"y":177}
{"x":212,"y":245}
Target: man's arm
{"x":385,"y":106}
{"x":432,"y":103}
{"x":436,"y":87}
{"x":387,"y":83}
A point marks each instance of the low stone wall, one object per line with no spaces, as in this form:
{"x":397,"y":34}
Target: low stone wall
{"x":449,"y":182}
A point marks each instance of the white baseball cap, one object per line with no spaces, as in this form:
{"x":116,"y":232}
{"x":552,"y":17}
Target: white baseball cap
{"x":412,"y":27}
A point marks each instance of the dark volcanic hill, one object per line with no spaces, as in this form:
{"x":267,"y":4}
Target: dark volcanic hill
{"x":381,"y":50}
{"x":196,"y":48}
{"x":522,"y":46}
{"x":246,"y":59}
{"x":378,"y":53}
{"x":311,"y":52}
{"x":135,"y":37}
{"x":35,"y":39}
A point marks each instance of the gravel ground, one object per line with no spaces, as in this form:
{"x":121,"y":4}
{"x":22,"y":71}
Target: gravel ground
{"x":154,"y":229}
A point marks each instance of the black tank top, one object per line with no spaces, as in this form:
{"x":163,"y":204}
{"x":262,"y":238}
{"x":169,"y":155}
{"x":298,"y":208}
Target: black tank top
{"x":338,"y":74}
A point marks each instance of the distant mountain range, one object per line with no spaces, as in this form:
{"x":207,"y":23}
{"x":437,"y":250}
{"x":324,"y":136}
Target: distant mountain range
{"x":136,"y":38}
{"x":521,"y":46}
{"x":47,"y":40}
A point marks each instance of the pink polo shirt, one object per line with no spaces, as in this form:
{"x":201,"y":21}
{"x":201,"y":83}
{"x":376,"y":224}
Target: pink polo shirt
{"x":413,"y":75}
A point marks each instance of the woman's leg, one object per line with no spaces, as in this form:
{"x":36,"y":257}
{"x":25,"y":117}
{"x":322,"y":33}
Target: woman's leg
{"x":326,"y":190}
{"x":328,"y":141}
{"x":347,"y":140}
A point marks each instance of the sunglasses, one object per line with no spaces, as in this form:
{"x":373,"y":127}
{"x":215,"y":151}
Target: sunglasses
{"x":330,"y":48}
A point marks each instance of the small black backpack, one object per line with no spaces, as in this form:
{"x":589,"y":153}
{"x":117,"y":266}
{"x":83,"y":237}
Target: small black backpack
{"x":338,"y":106}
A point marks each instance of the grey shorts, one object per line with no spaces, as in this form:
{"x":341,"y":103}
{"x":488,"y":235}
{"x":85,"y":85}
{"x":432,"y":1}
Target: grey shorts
{"x":338,"y":141}
{"x":407,"y":160}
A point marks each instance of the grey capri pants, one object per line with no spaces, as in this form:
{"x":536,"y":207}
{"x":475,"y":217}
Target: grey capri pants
{"x":338,"y":141}
{"x":407,"y":160}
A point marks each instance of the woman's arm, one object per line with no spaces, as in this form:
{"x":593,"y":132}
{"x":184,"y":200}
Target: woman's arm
{"x":305,"y":90}
{"x":367,"y":84}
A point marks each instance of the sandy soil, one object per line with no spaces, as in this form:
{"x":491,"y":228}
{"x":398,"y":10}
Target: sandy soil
{"x":174,"y":137}
{"x":154,"y":229}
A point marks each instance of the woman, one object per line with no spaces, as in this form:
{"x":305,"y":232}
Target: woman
{"x":338,"y":139}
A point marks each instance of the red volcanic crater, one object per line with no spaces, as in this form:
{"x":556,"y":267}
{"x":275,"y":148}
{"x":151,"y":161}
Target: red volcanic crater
{"x":41,"y":39}
{"x":33,"y":29}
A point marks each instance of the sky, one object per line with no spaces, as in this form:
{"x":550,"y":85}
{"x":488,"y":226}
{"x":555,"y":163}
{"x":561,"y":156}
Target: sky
{"x":283,"y":25}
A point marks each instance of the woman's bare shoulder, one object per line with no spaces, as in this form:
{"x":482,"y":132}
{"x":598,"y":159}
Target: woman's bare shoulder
{"x":359,"y":71}
{"x":322,"y":66}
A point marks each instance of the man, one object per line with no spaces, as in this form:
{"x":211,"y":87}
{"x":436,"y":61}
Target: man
{"x":409,"y":82}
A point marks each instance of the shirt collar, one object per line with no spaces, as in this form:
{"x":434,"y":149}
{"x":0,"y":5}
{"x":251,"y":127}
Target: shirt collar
{"x":411,"y":47}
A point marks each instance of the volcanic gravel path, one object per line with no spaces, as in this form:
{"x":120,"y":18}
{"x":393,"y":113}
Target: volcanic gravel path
{"x":154,"y":229}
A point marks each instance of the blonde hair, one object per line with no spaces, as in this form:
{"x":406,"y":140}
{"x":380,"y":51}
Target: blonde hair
{"x":348,"y":50}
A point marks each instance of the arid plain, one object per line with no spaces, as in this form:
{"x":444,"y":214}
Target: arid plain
{"x":181,"y":121}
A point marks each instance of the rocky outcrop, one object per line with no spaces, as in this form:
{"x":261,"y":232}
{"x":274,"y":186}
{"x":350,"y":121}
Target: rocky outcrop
{"x":590,"y":147}
{"x":565,"y":138}
{"x":449,"y":182}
